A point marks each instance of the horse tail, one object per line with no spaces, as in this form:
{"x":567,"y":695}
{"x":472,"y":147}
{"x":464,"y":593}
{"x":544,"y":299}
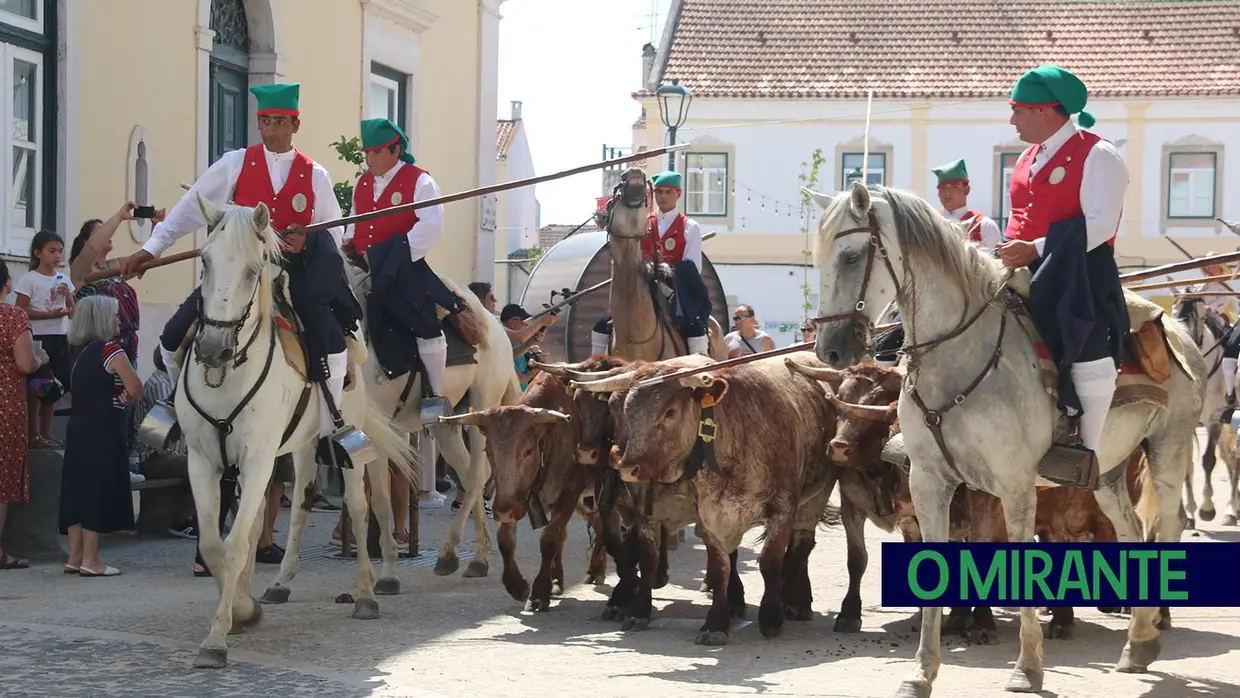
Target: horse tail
{"x":392,"y":444}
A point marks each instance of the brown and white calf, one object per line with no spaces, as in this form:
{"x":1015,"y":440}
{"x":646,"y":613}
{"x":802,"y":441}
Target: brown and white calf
{"x":532,"y":451}
{"x":767,"y":435}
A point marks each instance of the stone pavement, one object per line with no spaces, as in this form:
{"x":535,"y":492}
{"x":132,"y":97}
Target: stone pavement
{"x":137,"y":634}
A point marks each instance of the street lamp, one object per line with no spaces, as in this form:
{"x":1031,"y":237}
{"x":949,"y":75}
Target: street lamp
{"x":674,"y":102}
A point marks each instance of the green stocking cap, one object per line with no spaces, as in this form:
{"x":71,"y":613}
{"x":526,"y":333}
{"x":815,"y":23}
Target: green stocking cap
{"x":952,"y":172}
{"x":670,"y":178}
{"x":1049,"y":85}
{"x":381,"y":133}
{"x":277,"y":99}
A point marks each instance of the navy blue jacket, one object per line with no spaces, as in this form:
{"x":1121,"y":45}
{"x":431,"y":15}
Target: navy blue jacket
{"x":401,"y":307}
{"x":1075,"y":295}
{"x":693,"y":298}
{"x":323,"y":299}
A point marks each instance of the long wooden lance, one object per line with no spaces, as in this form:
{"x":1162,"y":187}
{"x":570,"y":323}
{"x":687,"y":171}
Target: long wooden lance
{"x":578,"y":295}
{"x":1173,"y":283}
{"x":1189,"y":255}
{"x":727,"y":363}
{"x":449,"y":198}
{"x":1176,"y":267}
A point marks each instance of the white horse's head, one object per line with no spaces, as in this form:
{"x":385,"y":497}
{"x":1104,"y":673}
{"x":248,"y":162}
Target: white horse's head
{"x":865,"y":237}
{"x":236,"y":277}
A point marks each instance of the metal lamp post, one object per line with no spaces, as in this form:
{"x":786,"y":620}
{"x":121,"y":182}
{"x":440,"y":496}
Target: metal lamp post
{"x":674,"y":102}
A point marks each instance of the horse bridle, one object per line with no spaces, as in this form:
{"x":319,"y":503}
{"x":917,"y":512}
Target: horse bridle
{"x":876,"y":250}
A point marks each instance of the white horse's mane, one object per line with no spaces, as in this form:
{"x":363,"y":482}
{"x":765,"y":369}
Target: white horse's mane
{"x":923,"y":234}
{"x":236,"y":236}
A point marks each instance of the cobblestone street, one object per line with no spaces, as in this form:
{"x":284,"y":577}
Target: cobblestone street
{"x":137,"y":634}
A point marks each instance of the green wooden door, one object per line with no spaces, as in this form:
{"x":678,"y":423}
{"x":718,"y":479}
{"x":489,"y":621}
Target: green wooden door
{"x":229,"y":107}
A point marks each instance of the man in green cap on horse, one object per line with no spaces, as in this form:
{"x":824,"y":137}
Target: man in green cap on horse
{"x":1067,"y":196}
{"x":404,"y":293}
{"x":954,"y":196}
{"x":673,"y":242}
{"x":298,"y":193}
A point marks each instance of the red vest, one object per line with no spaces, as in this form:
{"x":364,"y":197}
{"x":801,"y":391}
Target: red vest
{"x":975,"y":228}
{"x":671,"y":246}
{"x":1056,"y":201}
{"x":254,"y":185}
{"x":399,"y":191}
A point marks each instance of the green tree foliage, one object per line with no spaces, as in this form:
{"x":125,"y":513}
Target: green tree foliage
{"x":809,"y":180}
{"x":350,"y":151}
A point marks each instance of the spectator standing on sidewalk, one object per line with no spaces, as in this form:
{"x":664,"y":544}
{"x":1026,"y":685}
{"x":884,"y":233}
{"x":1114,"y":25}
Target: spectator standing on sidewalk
{"x":747,"y":338}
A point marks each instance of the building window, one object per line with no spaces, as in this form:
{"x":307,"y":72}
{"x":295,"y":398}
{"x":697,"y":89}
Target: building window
{"x":876,"y":169}
{"x":25,"y":14}
{"x":1007,"y":163}
{"x":1191,"y":191}
{"x":388,"y":90}
{"x":706,"y":191}
{"x":21,"y":141}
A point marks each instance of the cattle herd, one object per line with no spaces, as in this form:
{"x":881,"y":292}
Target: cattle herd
{"x":762,"y":443}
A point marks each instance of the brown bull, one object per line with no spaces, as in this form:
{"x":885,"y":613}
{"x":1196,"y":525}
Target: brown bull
{"x":673,"y":507}
{"x":865,"y":398}
{"x":531,"y":449}
{"x":759,"y":459}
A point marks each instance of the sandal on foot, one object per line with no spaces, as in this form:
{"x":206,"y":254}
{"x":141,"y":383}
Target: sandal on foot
{"x":72,"y":569}
{"x":108,"y":571}
{"x":201,"y":570}
{"x":8,"y":562}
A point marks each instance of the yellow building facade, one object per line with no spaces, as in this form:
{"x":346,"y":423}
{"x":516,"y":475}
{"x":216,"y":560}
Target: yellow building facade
{"x":125,"y":100}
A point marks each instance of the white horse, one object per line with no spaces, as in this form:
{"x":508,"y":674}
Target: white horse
{"x":237,"y":397}
{"x":1220,"y":438}
{"x":876,"y":246}
{"x":491,"y":382}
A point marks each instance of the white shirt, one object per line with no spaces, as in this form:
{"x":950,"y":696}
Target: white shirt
{"x":217,"y":185}
{"x":45,"y":296}
{"x":990,"y":229}
{"x":427,"y":232}
{"x":1104,"y":183}
{"x":693,"y":236}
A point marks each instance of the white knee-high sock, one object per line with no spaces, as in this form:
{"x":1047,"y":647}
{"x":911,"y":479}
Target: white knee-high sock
{"x":174,"y":372}
{"x":337,"y":366}
{"x":699,"y":345}
{"x":1095,"y":385}
{"x":599,"y":342}
{"x":1229,"y":376}
{"x":434,"y":353}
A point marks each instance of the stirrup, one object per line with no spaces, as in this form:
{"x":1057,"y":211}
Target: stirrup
{"x":159,"y":429}
{"x":433,"y":408}
{"x":349,"y":446}
{"x":1067,"y":462}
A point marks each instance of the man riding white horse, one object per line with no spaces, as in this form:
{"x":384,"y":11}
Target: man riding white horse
{"x":1067,"y":195}
{"x":674,"y":244}
{"x":298,"y":192}
{"x":404,"y":289}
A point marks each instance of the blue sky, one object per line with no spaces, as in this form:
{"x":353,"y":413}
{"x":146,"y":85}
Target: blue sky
{"x":573,"y":65}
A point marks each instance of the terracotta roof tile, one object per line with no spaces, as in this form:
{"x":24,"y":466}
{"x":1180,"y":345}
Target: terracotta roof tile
{"x":505,"y":132}
{"x":815,"y":49}
{"x":549,"y":235}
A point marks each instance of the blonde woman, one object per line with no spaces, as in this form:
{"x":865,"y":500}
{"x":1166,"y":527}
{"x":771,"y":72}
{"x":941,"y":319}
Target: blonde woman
{"x":95,"y":489}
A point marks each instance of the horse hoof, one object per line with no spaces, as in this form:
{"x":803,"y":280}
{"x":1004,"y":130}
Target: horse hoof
{"x":844,"y":624}
{"x":770,"y":631}
{"x":914,"y":689}
{"x":276,"y":595}
{"x":712,"y":638}
{"x":211,"y":658}
{"x":1138,"y":656}
{"x":1060,"y":632}
{"x":1164,"y":619}
{"x":1229,"y":520}
{"x":610,"y":612}
{"x":538,"y":605}
{"x":983,"y":637}
{"x":366,"y":609}
{"x":448,"y":563}
{"x":387,"y":586}
{"x":1205,"y":514}
{"x":635,"y":624}
{"x":477,"y":568}
{"x":1025,"y":681}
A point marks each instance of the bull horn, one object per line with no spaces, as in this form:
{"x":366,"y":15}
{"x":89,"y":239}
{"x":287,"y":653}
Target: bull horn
{"x":870,"y":412}
{"x":469,"y":419}
{"x":545,"y":416}
{"x":697,"y":380}
{"x":584,"y":376}
{"x":829,"y":375}
{"x":610,"y":384}
{"x":562,"y":370}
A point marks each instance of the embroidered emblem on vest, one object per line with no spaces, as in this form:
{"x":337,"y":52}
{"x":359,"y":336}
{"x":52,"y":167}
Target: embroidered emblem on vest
{"x":396,"y":198}
{"x":669,"y":243}
{"x":299,"y":202}
{"x":1057,"y":175}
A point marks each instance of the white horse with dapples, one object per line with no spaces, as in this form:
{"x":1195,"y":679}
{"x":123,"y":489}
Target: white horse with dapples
{"x":237,"y":396}
{"x":983,"y":379}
